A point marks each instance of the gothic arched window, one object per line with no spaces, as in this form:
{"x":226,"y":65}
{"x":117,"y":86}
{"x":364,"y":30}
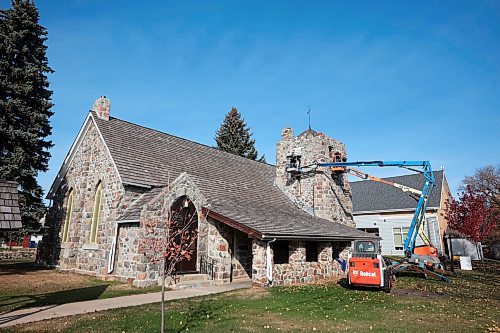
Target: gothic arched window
{"x":67,"y":220}
{"x":95,"y":213}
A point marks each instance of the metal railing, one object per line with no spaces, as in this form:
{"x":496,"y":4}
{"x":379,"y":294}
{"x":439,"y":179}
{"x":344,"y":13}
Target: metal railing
{"x":207,"y":266}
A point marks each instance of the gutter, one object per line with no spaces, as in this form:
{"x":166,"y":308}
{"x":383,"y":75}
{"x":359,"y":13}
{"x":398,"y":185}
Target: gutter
{"x":111,"y":258}
{"x":316,"y":238}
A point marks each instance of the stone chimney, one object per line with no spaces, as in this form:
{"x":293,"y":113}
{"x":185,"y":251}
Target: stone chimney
{"x":321,"y":193}
{"x":102,"y":106}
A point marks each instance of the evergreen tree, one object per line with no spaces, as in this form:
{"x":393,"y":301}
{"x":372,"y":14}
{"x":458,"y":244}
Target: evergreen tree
{"x":235,"y":137}
{"x":25,"y":103}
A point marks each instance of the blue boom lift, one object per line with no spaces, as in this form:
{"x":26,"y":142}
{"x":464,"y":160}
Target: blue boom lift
{"x":423,"y":259}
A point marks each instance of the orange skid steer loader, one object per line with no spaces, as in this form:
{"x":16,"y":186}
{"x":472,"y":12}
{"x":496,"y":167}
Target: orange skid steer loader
{"x":368,"y":268}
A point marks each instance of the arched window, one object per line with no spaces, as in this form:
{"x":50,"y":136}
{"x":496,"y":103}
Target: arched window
{"x":67,"y":220}
{"x":95,"y":213}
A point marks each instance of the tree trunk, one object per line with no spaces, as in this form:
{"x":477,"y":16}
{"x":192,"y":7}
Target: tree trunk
{"x":163,"y":295}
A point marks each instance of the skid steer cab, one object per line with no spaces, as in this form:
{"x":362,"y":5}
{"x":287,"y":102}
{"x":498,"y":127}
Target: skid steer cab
{"x":367,"y":267}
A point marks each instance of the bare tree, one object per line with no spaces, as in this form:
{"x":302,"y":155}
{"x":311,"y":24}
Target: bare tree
{"x":485,"y":181}
{"x":172,"y":235}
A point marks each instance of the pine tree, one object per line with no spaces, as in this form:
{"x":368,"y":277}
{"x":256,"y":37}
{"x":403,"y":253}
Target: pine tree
{"x":235,"y":137}
{"x":25,"y":103}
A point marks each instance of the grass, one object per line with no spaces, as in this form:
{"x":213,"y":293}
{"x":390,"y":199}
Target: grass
{"x":24,"y":285}
{"x":469,"y":304}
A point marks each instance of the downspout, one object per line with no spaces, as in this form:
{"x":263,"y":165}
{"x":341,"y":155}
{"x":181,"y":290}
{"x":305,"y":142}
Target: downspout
{"x":269,"y":263}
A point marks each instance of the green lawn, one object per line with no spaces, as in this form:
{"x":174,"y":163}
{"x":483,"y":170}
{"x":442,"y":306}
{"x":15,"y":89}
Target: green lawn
{"x":469,"y":304}
{"x":23,"y":285}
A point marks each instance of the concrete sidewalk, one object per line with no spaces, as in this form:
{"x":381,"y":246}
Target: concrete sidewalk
{"x":55,"y":311}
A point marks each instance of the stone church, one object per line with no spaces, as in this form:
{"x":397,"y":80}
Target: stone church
{"x":254,"y":221}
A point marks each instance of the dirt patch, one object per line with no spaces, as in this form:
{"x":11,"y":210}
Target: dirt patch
{"x":417,"y":293}
{"x":259,"y":322}
{"x":252,"y":293}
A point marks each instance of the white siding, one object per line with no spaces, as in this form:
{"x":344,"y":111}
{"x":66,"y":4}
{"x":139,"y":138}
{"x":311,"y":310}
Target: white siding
{"x":385,"y":224}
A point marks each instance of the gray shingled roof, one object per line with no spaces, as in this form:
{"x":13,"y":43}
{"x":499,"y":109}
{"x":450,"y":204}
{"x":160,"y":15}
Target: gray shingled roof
{"x":237,"y":188}
{"x":371,"y":196}
{"x":10,"y":216}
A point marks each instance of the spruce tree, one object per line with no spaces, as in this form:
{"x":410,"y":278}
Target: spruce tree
{"x":235,"y":137}
{"x":25,"y":103}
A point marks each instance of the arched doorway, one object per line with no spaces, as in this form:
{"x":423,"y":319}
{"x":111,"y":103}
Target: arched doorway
{"x":185,"y":215}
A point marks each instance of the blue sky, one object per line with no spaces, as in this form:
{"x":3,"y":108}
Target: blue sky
{"x":393,"y":80}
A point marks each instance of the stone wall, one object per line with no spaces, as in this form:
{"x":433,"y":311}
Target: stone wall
{"x":321,"y":193}
{"x":242,"y":260}
{"x":298,"y":270}
{"x":231,"y":251}
{"x":151,"y":227}
{"x":18,"y":254}
{"x":127,"y":257}
{"x":90,"y":166}
{"x":259,"y":278}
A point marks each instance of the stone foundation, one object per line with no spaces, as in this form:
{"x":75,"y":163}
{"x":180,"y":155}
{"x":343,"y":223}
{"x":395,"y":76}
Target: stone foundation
{"x":298,"y":270}
{"x":18,"y":254}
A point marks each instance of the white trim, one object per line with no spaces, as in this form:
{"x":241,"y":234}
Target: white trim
{"x":69,"y":157}
{"x":74,"y":149}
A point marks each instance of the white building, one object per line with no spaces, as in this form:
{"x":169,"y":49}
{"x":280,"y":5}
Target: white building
{"x":387,"y":211}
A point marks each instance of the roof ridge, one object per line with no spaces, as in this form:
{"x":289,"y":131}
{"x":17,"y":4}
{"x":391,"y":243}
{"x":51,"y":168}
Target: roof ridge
{"x":184,"y":139}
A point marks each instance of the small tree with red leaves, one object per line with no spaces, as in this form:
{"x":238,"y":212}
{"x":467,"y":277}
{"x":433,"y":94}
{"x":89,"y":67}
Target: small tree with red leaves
{"x":471,"y":216}
{"x":172,"y":238}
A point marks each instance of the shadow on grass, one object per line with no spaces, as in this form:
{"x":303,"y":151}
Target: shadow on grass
{"x":54,"y":298}
{"x":20,"y":267}
{"x":343,"y":283}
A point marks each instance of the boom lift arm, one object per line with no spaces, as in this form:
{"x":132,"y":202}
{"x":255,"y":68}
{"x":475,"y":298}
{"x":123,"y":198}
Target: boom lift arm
{"x":424,"y":167}
{"x":414,"y":193}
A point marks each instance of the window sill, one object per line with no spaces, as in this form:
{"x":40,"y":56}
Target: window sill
{"x":93,"y":246}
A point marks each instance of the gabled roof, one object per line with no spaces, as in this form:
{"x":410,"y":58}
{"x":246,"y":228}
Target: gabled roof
{"x":10,"y":215}
{"x":236,"y":188}
{"x":369,"y":196}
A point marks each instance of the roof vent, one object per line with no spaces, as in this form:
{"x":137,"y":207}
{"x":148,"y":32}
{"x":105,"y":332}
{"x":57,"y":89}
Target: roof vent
{"x":102,"y":106}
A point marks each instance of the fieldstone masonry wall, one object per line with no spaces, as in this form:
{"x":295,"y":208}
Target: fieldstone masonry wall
{"x":231,"y":251}
{"x":18,"y":254}
{"x":151,"y":230}
{"x":90,"y":166}
{"x":259,"y":278}
{"x":298,"y":270}
{"x":321,"y":193}
{"x":127,"y":257}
